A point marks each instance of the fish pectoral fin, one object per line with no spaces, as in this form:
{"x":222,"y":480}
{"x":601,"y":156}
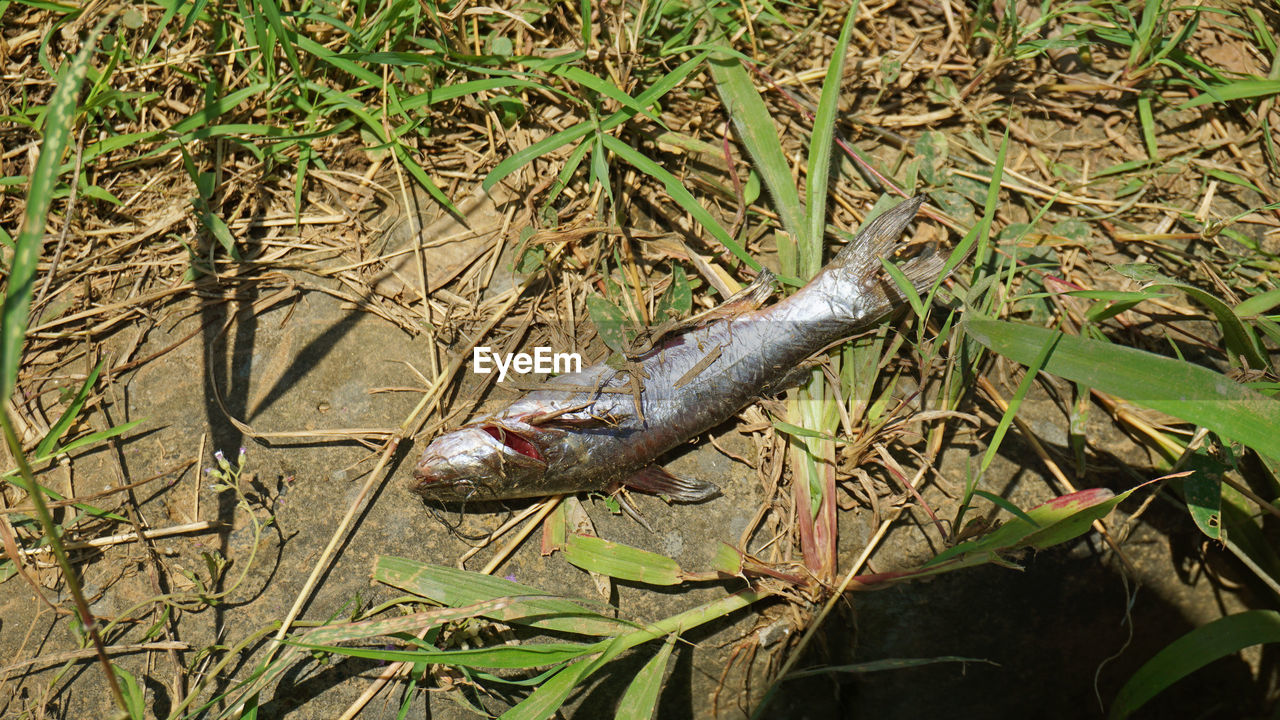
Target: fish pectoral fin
{"x":657,"y":481}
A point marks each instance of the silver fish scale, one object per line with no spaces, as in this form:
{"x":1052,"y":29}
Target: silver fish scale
{"x":554,"y":441}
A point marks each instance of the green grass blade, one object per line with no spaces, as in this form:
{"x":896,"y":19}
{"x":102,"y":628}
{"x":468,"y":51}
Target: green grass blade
{"x":1220,"y":638}
{"x":682,"y":197}
{"x":423,"y":178}
{"x":462,"y":89}
{"x":550,"y":695}
{"x":904,"y":286}
{"x":284,"y":38}
{"x":1236,"y":335}
{"x":1238,"y":90}
{"x":882,"y":665}
{"x":502,"y":656}
{"x":455,"y":588}
{"x":1148,"y":122}
{"x":59,"y":120}
{"x":215,"y":108}
{"x":547,"y":144}
{"x":1007,"y":507}
{"x":640,"y":701}
{"x":45,"y":448}
{"x":655,"y":91}
{"x":1056,"y":521}
{"x":359,"y":72}
{"x":1190,"y":392}
{"x":607,"y":89}
{"x":1258,"y":304}
{"x":981,"y":233}
{"x":821,"y":143}
{"x":759,"y":134}
{"x":92,"y":438}
{"x":1034,"y":365}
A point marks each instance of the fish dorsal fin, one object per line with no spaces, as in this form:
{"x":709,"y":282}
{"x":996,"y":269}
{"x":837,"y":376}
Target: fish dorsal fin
{"x":746,"y":300}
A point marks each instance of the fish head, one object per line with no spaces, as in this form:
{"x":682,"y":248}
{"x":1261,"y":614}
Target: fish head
{"x":490,"y":460}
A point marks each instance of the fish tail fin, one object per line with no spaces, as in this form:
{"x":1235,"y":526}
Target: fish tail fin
{"x":879,"y":239}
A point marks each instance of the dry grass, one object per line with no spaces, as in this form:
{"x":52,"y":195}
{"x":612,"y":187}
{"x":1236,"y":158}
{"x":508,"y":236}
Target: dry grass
{"x":178,"y":201}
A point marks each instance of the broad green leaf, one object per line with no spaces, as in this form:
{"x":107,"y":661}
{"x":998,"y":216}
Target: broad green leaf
{"x":932,"y":149}
{"x":622,"y":561}
{"x":1190,"y":392}
{"x":677,"y":301}
{"x":727,"y":559}
{"x":134,"y":695}
{"x":955,"y":205}
{"x":1072,"y":229}
{"x":1218,"y":639}
{"x":1245,"y":535}
{"x":610,"y":321}
{"x":1258,"y":304}
{"x":1203,"y":492}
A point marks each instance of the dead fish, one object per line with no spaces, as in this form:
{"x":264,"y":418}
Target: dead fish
{"x":599,"y":429}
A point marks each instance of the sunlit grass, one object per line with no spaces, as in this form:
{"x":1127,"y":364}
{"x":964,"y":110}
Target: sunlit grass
{"x":278,"y":87}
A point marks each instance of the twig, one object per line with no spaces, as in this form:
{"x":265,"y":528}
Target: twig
{"x":199,"y":526}
{"x":86,"y":653}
